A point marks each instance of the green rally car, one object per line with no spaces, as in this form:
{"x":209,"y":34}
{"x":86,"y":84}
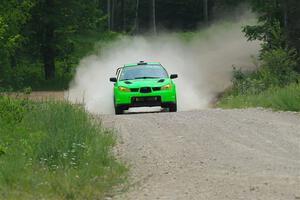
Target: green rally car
{"x":144,"y":85}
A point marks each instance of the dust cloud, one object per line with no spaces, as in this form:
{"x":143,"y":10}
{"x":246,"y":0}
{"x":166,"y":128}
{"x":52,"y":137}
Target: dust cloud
{"x":203,"y":62}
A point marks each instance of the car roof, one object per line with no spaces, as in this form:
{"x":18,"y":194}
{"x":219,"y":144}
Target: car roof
{"x":141,"y":63}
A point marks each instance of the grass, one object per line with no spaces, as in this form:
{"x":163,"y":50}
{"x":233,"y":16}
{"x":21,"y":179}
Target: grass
{"x":53,"y":150}
{"x":285,"y":99}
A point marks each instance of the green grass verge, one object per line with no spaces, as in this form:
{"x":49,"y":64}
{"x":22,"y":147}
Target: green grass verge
{"x":285,"y":99}
{"x":53,"y":150}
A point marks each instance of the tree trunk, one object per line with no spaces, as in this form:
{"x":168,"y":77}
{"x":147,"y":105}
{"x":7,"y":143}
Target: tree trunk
{"x":123,"y":15}
{"x":136,"y":23}
{"x":205,"y":10}
{"x":113,"y":15}
{"x":49,"y":53}
{"x":109,"y":15}
{"x":13,"y":61}
{"x":154,"y":17}
{"x":285,"y":14}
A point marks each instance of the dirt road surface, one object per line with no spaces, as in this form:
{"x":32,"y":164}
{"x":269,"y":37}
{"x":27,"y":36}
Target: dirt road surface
{"x":210,"y":154}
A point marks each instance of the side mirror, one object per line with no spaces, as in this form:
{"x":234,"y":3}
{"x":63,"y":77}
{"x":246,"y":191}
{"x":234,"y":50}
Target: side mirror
{"x":113,"y":79}
{"x":173,"y":76}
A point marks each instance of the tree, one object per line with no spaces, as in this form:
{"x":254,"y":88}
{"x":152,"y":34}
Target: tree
{"x":113,"y":14}
{"x":136,"y":21}
{"x":281,"y":13}
{"x":123,"y":15}
{"x":205,"y":10}
{"x":12,"y":19}
{"x":3,"y":51}
{"x":109,"y":14}
{"x":154,"y":16}
{"x":52,"y":25}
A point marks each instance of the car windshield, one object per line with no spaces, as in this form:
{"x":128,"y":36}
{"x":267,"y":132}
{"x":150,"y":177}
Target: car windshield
{"x":143,"y":72}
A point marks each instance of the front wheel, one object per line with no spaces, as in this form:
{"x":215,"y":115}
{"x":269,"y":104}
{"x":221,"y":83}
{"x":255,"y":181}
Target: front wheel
{"x":118,"y":110}
{"x":173,"y":107}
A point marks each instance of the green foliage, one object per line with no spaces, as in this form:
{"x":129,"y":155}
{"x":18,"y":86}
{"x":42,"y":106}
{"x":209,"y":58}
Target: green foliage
{"x":12,"y":111}
{"x":32,"y":76}
{"x":277,"y":68}
{"x":89,"y":42}
{"x":46,"y":39}
{"x":39,"y":34}
{"x":27,"y":90}
{"x":2,"y":150}
{"x":270,"y":33}
{"x":278,"y":24}
{"x":14,"y":14}
{"x":246,"y":83}
{"x":279,"y":61}
{"x":277,"y":98}
{"x":54,"y":150}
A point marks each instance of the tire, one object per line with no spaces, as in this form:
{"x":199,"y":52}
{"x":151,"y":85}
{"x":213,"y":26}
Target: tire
{"x":118,"y":110}
{"x":173,"y":107}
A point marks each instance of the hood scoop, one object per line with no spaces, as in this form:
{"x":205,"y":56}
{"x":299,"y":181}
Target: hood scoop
{"x":127,"y":82}
{"x":161,"y":81}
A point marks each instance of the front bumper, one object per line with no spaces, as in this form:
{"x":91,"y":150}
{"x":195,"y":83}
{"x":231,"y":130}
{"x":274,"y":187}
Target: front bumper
{"x":137,"y":99}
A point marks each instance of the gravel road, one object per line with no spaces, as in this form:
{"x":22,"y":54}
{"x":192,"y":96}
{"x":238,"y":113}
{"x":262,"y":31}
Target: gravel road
{"x":210,"y":154}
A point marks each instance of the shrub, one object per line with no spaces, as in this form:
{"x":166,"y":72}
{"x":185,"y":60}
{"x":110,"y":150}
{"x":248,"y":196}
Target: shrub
{"x":277,"y":69}
{"x":246,"y":83}
{"x":54,"y":150}
{"x":11,"y":111}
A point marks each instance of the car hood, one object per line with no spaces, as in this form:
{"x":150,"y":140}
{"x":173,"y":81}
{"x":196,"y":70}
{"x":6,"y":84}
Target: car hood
{"x":138,"y":83}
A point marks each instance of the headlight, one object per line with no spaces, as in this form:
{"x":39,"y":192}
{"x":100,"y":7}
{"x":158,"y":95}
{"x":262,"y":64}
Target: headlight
{"x":166,"y":87}
{"x":124,"y":89}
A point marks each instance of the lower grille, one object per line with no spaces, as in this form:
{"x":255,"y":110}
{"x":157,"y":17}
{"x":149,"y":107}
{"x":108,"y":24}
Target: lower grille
{"x":146,"y":101}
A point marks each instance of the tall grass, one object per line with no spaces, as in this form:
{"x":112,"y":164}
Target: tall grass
{"x":286,"y":99}
{"x":53,"y":150}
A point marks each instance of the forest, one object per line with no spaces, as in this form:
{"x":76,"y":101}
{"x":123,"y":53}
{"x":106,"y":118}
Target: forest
{"x":55,"y":149}
{"x":42,"y":41}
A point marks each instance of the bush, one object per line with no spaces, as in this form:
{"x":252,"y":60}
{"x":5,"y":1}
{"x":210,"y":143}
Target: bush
{"x":246,"y":83}
{"x":11,"y":111}
{"x":277,"y":69}
{"x":54,"y":151}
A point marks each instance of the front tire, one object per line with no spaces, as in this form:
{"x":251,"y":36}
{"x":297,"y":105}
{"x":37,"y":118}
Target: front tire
{"x":118,"y":110}
{"x":173,"y":107}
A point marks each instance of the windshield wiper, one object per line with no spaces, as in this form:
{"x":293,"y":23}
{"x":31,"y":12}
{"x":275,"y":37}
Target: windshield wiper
{"x":146,"y":77}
